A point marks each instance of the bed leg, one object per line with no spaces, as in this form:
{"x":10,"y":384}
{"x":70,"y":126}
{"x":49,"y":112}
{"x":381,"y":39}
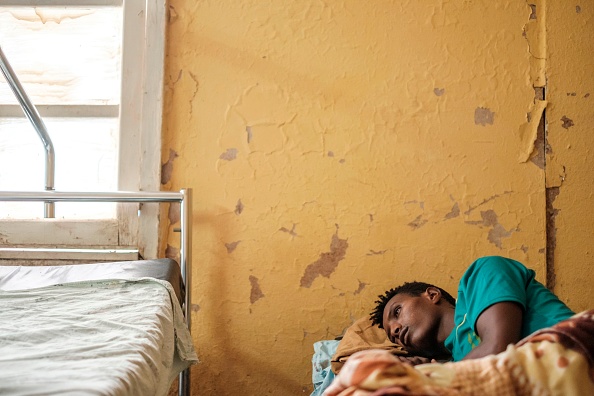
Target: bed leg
{"x":184,"y":383}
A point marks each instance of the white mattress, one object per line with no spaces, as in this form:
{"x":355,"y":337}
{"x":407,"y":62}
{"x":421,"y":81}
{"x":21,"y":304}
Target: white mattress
{"x":110,"y":337}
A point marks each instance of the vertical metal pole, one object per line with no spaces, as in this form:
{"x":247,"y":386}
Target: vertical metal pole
{"x":186,"y":270}
{"x":31,"y":112}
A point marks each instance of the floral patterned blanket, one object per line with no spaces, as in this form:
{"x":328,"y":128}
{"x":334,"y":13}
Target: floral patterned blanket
{"x":554,"y":361}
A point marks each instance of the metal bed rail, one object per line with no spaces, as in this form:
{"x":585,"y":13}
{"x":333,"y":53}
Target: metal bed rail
{"x":183,"y":197}
{"x":33,"y":115}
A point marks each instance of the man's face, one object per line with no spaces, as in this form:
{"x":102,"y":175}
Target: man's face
{"x":412,"y":322}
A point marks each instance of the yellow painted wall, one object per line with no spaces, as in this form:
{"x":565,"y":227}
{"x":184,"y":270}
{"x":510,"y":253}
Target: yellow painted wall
{"x":570,"y":170}
{"x":340,"y":148}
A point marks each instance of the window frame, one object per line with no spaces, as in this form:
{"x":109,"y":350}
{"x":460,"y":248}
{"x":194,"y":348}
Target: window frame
{"x":140,"y":119}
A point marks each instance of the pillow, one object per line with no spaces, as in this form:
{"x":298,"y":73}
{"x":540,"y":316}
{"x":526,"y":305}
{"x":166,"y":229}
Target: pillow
{"x":359,"y":336}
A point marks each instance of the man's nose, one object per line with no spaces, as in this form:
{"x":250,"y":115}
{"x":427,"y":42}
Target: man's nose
{"x":396,"y":330}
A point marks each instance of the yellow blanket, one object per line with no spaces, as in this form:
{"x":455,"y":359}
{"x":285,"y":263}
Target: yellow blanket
{"x":555,"y":361}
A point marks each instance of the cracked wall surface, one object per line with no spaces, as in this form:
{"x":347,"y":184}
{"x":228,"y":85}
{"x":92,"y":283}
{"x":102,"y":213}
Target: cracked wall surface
{"x":337,"y":149}
{"x":569,"y":155}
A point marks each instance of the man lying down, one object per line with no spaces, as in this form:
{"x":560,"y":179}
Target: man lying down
{"x":499,"y":303}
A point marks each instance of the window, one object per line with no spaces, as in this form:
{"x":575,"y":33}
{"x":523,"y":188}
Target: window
{"x":93,"y":69}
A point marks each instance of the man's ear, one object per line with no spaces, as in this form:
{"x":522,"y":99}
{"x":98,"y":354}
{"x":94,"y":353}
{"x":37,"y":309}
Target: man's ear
{"x":434,"y":294}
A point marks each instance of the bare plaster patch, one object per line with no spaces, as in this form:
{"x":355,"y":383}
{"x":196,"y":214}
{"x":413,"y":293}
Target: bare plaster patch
{"x":256,"y":292}
{"x":552,"y":212}
{"x":418,"y":222}
{"x":497,"y":231}
{"x":238,"y":207}
{"x":567,"y":122}
{"x":439,"y":91}
{"x":360,"y":288}
{"x":327,"y":262}
{"x":172,"y":15}
{"x":231,"y":246}
{"x":174,"y":214}
{"x":167,"y":167}
{"x":229,"y":155}
{"x":483,"y":116}
{"x":172,"y":252}
{"x":291,"y":231}
{"x":532,"y":11}
{"x":455,"y":212}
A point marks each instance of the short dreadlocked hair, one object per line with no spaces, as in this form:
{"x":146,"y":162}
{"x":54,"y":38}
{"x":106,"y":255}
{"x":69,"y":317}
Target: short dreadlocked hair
{"x":410,"y":288}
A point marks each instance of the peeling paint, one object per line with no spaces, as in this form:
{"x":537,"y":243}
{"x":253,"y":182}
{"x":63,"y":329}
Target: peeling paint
{"x":551,"y":237}
{"x":195,"y":307}
{"x":529,"y":131}
{"x":455,"y":212}
{"x":418,"y":222}
{"x":172,"y":252}
{"x":535,"y":33}
{"x":174,"y":214}
{"x":497,"y":232}
{"x":567,"y":122}
{"x":291,"y":231}
{"x":439,"y":91}
{"x":231,"y":246}
{"x":327,"y":262}
{"x":420,"y":203}
{"x":256,"y":292}
{"x":376,"y":252}
{"x":360,"y":288}
{"x":238,"y":207}
{"x":541,"y":148}
{"x":532,"y":11}
{"x":486,"y":201}
{"x":248,"y":130}
{"x":196,"y":87}
{"x":49,"y":15}
{"x":555,"y":176}
{"x":167,"y":167}
{"x":229,"y":155}
{"x":483,"y":116}
{"x":171,"y":14}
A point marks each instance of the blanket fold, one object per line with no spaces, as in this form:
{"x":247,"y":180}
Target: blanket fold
{"x":555,"y":361}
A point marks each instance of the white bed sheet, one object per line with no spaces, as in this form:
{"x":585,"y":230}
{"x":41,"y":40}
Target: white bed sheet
{"x":110,"y":337}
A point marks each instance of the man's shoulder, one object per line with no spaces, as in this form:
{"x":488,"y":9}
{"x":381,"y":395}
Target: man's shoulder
{"x":495,"y":263}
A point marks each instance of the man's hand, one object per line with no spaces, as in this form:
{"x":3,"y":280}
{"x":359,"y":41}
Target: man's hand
{"x":498,"y":326}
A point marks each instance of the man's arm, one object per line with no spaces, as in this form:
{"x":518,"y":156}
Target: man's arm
{"x":497,"y":326}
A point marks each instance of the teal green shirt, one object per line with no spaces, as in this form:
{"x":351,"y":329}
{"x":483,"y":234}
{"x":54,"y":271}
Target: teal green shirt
{"x":490,"y":280}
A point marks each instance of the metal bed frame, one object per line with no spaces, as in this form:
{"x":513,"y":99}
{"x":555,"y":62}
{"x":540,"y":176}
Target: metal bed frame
{"x":183,"y":197}
{"x":50,"y":196}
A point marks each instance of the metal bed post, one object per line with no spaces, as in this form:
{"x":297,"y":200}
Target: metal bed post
{"x":184,"y":198}
{"x":31,"y":112}
{"x":186,"y":270}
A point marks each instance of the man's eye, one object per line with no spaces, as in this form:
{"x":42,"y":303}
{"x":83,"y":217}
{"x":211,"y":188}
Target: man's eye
{"x":397,"y":311}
